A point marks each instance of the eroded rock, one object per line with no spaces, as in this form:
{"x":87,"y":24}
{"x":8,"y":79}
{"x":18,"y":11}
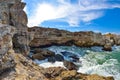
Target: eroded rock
{"x":45,"y":37}
{"x":42,"y":54}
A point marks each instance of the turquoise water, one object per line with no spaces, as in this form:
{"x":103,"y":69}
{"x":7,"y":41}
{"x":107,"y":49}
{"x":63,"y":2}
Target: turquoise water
{"x":94,"y":60}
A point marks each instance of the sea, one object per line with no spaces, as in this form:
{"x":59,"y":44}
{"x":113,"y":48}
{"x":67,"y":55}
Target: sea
{"x":91,"y":60}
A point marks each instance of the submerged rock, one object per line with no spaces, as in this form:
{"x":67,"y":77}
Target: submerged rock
{"x":70,"y":56}
{"x":51,"y":59}
{"x":70,"y":65}
{"x":59,"y":57}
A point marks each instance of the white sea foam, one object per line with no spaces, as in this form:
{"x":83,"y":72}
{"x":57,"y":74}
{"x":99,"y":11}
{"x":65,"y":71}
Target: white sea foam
{"x":109,"y":67}
{"x":93,"y":60}
{"x":48,"y":64}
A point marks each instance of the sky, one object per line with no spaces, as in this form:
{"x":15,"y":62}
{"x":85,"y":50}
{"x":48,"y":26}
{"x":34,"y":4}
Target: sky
{"x":75,"y":15}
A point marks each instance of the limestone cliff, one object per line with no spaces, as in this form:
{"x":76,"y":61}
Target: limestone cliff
{"x":49,"y":36}
{"x":6,"y":60}
{"x":11,"y":13}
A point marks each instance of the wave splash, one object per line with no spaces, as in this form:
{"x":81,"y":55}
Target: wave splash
{"x":91,"y":60}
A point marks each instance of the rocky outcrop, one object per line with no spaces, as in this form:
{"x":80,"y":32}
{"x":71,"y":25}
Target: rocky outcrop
{"x":11,"y":13}
{"x":6,"y":60}
{"x":70,"y":65}
{"x":14,"y":66}
{"x":18,"y":67}
{"x":73,"y":75}
{"x":45,"y":37}
{"x":41,"y":54}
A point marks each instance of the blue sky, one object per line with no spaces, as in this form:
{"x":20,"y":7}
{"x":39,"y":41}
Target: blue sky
{"x":75,"y":15}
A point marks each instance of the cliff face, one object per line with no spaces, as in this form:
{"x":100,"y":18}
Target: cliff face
{"x":11,"y":13}
{"x":6,"y":60}
{"x":47,"y":37}
{"x":15,"y":66}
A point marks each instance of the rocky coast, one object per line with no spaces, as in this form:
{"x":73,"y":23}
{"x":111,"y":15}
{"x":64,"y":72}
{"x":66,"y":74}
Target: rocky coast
{"x":16,"y":40}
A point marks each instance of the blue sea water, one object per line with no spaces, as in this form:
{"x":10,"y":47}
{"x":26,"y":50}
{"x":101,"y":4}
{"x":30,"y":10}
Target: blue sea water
{"x":91,"y":60}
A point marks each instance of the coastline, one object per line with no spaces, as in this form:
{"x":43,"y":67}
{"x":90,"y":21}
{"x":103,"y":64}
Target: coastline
{"x":16,"y":39}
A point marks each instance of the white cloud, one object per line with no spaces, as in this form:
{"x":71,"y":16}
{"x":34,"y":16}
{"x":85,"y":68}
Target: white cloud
{"x":74,"y":14}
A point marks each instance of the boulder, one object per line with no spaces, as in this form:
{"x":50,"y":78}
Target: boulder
{"x":41,"y":54}
{"x":38,"y":56}
{"x":70,"y":65}
{"x":52,"y":72}
{"x":59,"y":57}
{"x":107,"y":47}
{"x":51,"y":59}
{"x":71,"y":56}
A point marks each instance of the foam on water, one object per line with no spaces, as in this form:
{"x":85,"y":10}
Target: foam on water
{"x":102,"y":63}
{"x":48,"y":64}
{"x":93,"y":60}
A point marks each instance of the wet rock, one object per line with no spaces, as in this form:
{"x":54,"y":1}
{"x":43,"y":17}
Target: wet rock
{"x":107,"y":47}
{"x":45,"y":52}
{"x":74,"y":58}
{"x":70,"y":65}
{"x":41,"y":54}
{"x":51,"y":59}
{"x":70,"y":56}
{"x":38,"y":56}
{"x":59,"y":57}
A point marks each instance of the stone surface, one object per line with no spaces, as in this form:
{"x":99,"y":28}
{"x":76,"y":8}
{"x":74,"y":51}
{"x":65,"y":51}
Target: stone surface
{"x":52,"y":72}
{"x":6,"y":60}
{"x":96,"y":77}
{"x":45,"y":37}
{"x":15,"y":66}
{"x":73,"y":75}
{"x":41,"y":54}
{"x":11,"y":13}
{"x":70,"y":65}
{"x":59,"y":57}
{"x":56,"y":57}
